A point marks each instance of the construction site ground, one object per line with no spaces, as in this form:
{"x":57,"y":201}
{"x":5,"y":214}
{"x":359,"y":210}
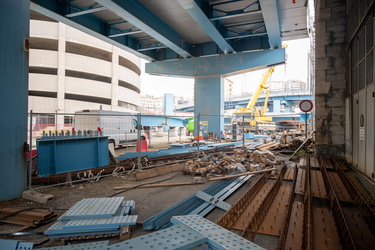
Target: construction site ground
{"x":148,"y":201}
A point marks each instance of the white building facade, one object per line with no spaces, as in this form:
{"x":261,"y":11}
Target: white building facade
{"x":71,"y":71}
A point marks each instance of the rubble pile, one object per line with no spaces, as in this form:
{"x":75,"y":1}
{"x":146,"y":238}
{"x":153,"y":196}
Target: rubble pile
{"x":242,"y":160}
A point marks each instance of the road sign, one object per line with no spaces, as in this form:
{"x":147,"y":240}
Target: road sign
{"x":306,"y":105}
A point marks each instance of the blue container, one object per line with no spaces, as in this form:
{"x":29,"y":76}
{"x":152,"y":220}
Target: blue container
{"x":62,"y":154}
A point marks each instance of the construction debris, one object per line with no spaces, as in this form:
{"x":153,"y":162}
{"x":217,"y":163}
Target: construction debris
{"x":242,"y":160}
{"x":239,"y":175}
{"x":159,"y":185}
{"x":29,"y":217}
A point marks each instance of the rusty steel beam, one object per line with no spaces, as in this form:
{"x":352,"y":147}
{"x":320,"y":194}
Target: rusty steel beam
{"x":231,"y":216}
{"x":346,"y":237}
{"x":284,"y":230}
{"x":356,"y":196}
{"x":251,"y":229}
{"x":307,"y":233}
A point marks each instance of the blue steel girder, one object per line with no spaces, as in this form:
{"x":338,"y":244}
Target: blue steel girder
{"x":134,"y":12}
{"x":220,"y":65}
{"x":88,"y":23}
{"x":196,"y":8}
{"x":270,"y":11}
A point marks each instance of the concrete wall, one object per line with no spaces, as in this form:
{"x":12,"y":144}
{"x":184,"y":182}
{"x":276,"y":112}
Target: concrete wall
{"x":331,"y":77}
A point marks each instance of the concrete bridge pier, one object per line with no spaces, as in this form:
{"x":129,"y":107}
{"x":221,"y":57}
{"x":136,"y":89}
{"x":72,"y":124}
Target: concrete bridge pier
{"x":209,"y":105}
{"x":14,"y":67}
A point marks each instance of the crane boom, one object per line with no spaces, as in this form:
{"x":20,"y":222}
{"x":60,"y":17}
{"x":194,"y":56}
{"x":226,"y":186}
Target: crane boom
{"x":264,"y":109}
{"x":259,"y":89}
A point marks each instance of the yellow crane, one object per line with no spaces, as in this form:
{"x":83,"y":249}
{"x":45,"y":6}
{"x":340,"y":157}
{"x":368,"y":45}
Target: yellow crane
{"x":249,"y":116}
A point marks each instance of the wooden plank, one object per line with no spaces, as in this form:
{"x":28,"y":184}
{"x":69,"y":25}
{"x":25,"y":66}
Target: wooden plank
{"x":157,"y":171}
{"x":159,"y":185}
{"x":238,"y":175}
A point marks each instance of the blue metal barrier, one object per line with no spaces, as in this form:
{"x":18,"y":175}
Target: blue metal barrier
{"x":60,"y":154}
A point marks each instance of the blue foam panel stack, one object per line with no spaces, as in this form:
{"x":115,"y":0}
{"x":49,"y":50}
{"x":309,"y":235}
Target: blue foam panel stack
{"x":94,"y":216}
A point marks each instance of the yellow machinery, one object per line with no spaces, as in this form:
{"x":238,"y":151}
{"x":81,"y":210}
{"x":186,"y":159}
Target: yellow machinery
{"x":250,"y":116}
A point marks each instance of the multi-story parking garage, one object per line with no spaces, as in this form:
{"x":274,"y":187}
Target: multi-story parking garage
{"x":70,"y":70}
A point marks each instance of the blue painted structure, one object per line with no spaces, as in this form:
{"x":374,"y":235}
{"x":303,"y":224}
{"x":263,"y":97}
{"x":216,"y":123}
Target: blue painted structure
{"x":216,"y":235}
{"x":194,"y":205}
{"x":220,"y":65}
{"x":274,"y":102}
{"x":14,"y":69}
{"x":177,"y":237}
{"x":209,"y":93}
{"x":93,"y":216}
{"x":168,"y":104}
{"x":151,"y":120}
{"x":63,"y":154}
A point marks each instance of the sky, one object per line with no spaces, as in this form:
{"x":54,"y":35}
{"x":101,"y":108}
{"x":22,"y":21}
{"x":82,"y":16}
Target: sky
{"x":295,"y":68}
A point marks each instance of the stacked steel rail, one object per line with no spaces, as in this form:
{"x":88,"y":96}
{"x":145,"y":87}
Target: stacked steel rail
{"x":356,"y":196}
{"x":251,"y":229}
{"x":307,"y":233}
{"x":346,"y":237}
{"x":284,"y":230}
{"x":232,"y":215}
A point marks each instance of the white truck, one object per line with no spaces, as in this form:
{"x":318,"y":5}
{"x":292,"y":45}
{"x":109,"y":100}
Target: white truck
{"x":120,"y":127}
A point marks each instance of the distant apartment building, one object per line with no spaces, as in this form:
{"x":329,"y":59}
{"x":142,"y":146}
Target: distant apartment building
{"x":70,"y":70}
{"x":289,"y":85}
{"x":155,"y":105}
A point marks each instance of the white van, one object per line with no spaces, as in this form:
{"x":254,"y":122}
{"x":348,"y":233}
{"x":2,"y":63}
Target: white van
{"x":120,"y":127}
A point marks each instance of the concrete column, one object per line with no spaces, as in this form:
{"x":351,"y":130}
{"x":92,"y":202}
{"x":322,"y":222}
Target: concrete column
{"x":209,"y":103}
{"x":14,"y":67}
{"x":330,"y":78}
{"x":114,"y":82}
{"x":168,"y":104}
{"x":276,"y":106}
{"x":61,"y":77}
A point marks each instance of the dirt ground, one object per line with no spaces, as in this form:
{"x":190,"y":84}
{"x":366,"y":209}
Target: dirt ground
{"x":148,"y":201}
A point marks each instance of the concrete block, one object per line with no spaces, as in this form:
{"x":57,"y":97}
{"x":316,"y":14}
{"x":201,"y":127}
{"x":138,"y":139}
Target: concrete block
{"x":33,"y":195}
{"x":339,"y":86}
{"x":320,"y":76}
{"x":335,"y":77}
{"x":323,"y":14}
{"x":335,"y":28}
{"x":338,"y":120}
{"x":323,"y":88}
{"x":322,"y":139}
{"x":334,"y":22}
{"x":338,"y":130}
{"x":323,"y":63}
{"x":335,"y":3}
{"x":338,"y":111}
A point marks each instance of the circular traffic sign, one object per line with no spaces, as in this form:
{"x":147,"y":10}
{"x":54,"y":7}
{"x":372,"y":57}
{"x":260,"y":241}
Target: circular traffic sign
{"x":306,"y":105}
